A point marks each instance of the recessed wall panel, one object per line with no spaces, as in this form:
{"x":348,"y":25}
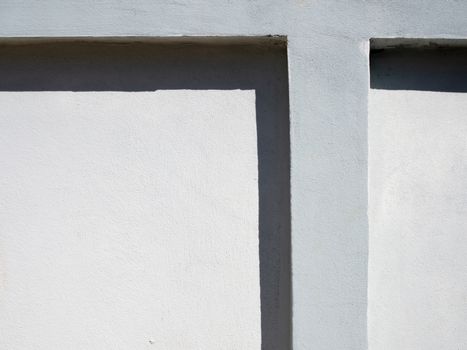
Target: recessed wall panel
{"x":145,"y":195}
{"x":418,"y":201}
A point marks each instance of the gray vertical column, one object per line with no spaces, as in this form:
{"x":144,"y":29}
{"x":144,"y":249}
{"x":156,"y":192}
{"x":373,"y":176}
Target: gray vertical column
{"x":328,"y":102}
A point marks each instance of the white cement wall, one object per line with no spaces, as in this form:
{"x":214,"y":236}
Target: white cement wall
{"x":129,"y":220}
{"x":418,"y":220}
{"x":328,"y":67}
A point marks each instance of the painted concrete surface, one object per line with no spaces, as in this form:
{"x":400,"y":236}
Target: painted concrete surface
{"x":328,"y":43}
{"x":129,"y":220}
{"x":418,"y":219}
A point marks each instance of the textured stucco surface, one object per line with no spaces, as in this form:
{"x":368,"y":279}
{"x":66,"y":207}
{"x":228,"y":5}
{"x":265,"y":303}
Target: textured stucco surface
{"x":328,"y":84}
{"x":149,"y":66}
{"x":129,"y":220}
{"x":417,"y":196}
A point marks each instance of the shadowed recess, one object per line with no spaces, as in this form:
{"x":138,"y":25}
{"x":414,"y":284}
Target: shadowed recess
{"x":144,"y":66}
{"x":423,"y":69}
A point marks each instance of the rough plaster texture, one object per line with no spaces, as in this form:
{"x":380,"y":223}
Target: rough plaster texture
{"x":328,"y":43}
{"x":121,"y":66}
{"x":129,"y":220}
{"x":417,"y":200}
{"x":418,"y":219}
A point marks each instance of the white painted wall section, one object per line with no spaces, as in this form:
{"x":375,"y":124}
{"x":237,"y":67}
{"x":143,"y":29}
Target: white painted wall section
{"x":129,"y":220}
{"x":418,"y":220}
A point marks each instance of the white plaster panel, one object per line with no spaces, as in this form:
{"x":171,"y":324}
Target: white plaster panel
{"x":418,"y":220}
{"x":129,"y":220}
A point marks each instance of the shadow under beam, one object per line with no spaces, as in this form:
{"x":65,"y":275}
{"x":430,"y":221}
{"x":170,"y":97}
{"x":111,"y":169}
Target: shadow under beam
{"x":100,"y":66}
